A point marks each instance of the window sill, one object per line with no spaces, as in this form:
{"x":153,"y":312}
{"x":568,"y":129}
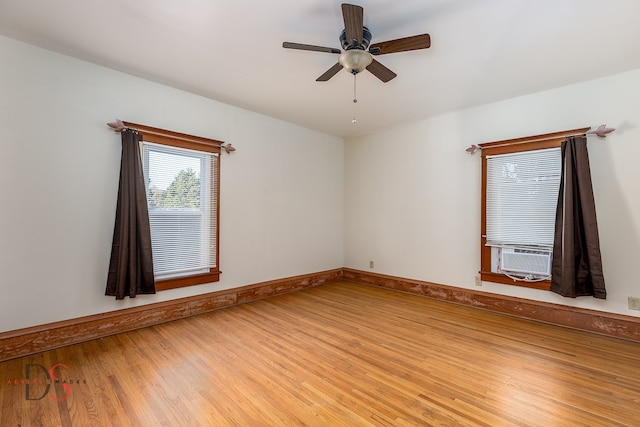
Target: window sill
{"x":180,"y":282}
{"x":488,"y":276}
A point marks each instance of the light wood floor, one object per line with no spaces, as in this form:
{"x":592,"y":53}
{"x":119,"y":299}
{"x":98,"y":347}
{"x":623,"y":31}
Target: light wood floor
{"x":339,"y":354}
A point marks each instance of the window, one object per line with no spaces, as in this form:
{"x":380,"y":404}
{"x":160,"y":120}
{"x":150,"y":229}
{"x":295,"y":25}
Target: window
{"x":520,"y":181}
{"x":182,"y":181}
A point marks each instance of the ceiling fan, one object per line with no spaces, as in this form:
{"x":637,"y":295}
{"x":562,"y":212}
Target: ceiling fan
{"x":355,"y":39}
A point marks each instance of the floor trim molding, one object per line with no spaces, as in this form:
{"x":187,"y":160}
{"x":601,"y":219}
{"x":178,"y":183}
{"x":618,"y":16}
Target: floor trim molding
{"x":611,"y":324}
{"x":23,"y":342}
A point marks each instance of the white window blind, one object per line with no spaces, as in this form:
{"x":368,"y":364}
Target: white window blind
{"x":182,"y":209}
{"x":522,"y":195}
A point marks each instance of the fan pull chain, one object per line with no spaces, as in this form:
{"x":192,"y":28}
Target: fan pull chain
{"x":355,"y":99}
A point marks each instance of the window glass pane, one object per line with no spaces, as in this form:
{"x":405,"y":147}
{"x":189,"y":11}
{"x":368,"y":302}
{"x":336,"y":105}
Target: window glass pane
{"x":181,"y":209}
{"x":522,"y":194}
{"x":174,"y":180}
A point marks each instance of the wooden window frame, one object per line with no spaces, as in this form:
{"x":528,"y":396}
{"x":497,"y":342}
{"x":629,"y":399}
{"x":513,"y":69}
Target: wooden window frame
{"x":530,"y":143}
{"x":180,"y":140}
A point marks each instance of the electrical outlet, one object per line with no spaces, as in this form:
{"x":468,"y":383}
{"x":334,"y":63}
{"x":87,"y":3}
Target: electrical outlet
{"x":634,"y":303}
{"x":370,"y":264}
{"x":478,"y":281}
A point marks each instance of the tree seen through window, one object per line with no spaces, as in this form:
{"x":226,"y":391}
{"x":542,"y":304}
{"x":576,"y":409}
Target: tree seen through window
{"x":183,"y":192}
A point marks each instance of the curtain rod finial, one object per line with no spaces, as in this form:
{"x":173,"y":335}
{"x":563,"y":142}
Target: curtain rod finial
{"x":601,"y":131}
{"x":228,"y":148}
{"x":472,"y":149}
{"x":117,"y":126}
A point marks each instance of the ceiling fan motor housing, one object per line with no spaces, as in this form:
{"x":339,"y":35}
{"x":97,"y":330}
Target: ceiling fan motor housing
{"x":351,"y":44}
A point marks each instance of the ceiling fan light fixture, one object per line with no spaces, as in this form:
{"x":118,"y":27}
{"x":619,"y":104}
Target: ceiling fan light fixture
{"x":355,"y":60}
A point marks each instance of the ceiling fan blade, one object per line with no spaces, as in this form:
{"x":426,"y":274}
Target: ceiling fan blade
{"x":380,"y":71}
{"x":311,"y":47}
{"x":353,"y":21}
{"x":422,"y":41}
{"x":330,"y":73}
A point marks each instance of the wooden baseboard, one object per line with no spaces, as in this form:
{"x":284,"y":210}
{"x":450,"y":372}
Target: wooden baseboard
{"x":611,"y":324}
{"x":23,"y":342}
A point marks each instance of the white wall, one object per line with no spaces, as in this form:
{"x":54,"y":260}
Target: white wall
{"x":412,"y":194}
{"x":281,"y":191}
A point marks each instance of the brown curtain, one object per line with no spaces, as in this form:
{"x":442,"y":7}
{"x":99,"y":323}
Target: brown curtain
{"x":577,"y":266}
{"x":131,"y":264}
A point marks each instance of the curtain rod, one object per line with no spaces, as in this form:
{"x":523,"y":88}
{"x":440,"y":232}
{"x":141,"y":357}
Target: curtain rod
{"x":601,"y":131}
{"x":119,"y":126}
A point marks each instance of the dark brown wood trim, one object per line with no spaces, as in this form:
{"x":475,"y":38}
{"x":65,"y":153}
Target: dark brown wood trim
{"x":180,"y":282}
{"x":22,"y":342}
{"x":535,"y":138}
{"x":489,"y":276}
{"x":611,"y":324}
{"x":523,"y":146}
{"x":163,"y":136}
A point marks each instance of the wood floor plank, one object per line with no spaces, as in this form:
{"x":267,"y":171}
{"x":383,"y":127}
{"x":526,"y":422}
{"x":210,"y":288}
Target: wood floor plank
{"x":333,"y":355}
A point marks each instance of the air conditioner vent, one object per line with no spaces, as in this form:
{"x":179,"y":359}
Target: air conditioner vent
{"x":525,"y":261}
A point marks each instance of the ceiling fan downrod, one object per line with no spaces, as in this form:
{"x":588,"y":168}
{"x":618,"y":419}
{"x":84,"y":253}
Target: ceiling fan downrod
{"x":355,"y":97}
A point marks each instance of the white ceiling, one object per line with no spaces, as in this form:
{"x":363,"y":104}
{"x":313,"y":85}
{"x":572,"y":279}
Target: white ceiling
{"x":231,"y":51}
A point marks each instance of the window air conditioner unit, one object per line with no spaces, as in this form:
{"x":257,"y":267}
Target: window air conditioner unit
{"x":525,"y":261}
